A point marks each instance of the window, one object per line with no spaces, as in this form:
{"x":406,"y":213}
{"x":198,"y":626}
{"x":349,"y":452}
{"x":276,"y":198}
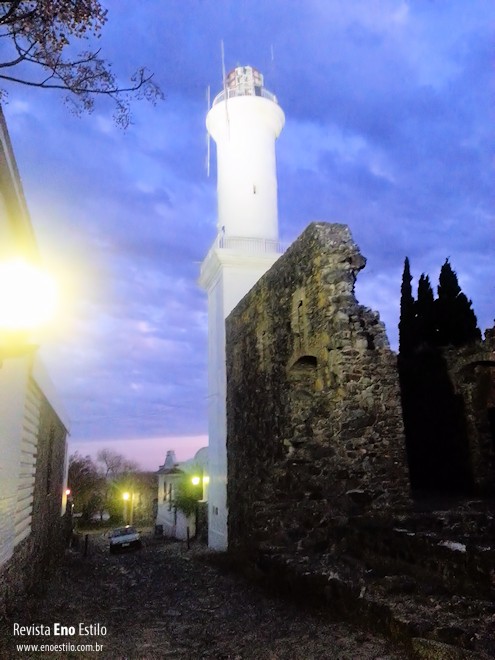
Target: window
{"x":304,"y":371}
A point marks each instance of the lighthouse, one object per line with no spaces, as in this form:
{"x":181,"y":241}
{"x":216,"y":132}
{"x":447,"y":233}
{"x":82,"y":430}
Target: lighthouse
{"x":244,"y":121}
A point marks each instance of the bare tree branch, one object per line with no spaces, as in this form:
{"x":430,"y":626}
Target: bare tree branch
{"x":11,"y":11}
{"x":42,"y":31}
{"x":77,"y":88}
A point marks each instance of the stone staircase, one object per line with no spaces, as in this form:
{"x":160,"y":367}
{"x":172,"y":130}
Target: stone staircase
{"x":426,"y":579}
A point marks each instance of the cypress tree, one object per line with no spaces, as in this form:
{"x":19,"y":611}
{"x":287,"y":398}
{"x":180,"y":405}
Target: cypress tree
{"x":434,"y":424}
{"x":425,"y":313}
{"x":456,"y":320}
{"x":407,"y":322}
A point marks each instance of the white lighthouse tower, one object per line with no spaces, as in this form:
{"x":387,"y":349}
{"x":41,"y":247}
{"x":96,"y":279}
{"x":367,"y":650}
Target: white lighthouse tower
{"x":244,"y":120}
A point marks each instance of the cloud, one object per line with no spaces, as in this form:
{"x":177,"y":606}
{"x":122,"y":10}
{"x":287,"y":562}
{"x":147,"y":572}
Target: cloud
{"x":389,"y":129}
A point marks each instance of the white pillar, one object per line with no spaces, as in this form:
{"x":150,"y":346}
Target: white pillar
{"x":245,"y":120}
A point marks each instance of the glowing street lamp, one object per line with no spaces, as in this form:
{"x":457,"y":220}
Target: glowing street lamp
{"x":28,"y":299}
{"x":125,"y":497}
{"x":69,"y":504}
{"x":202,"y":480}
{"x":28,"y":295}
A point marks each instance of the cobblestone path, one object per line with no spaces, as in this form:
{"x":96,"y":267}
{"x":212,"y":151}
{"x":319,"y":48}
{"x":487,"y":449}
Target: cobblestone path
{"x":165,"y":601}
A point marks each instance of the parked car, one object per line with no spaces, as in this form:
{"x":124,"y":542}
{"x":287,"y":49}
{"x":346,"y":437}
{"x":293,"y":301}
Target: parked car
{"x":124,"y":537}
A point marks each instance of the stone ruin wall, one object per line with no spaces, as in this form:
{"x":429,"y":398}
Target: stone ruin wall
{"x":471,"y":370}
{"x":314,"y":423}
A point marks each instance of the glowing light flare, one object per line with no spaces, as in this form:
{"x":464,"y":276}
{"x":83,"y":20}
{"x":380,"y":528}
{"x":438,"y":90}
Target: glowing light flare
{"x":28,"y":296}
{"x":125,"y":496}
{"x":195,"y":481}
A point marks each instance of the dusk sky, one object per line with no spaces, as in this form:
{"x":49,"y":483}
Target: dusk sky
{"x":389,"y":128}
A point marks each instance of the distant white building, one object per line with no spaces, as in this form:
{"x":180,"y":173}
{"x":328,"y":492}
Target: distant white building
{"x":244,"y":120}
{"x":171,"y":475}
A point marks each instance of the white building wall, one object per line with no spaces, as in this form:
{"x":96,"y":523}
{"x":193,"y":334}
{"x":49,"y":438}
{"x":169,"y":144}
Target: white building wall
{"x":164,"y":512}
{"x":14,"y":375}
{"x":227,"y":275}
{"x":217,"y":432}
{"x":20,"y":409}
{"x":22,"y":379}
{"x":27,"y":464}
{"x":5,"y":232}
{"x":174,"y":522}
{"x":183,"y":524}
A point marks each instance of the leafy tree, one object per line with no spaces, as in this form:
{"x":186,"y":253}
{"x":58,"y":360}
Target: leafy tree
{"x":456,"y":320}
{"x":86,"y":484}
{"x":37,"y":49}
{"x":407,"y":339}
{"x":187,"y":495}
{"x":98,"y":486}
{"x":118,"y":477}
{"x":142,"y":488}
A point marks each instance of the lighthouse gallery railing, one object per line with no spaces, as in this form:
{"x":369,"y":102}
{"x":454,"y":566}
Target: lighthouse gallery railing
{"x":250,"y":245}
{"x":258,"y":91}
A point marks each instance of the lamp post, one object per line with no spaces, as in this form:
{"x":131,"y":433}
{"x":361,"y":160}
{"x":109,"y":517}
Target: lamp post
{"x":200,"y":481}
{"x":126,"y":499}
{"x":68,"y":501}
{"x":196,"y":481}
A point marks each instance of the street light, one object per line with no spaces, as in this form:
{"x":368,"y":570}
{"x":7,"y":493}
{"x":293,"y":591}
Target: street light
{"x":128,"y":496}
{"x":202,"y":480}
{"x":125,"y":497}
{"x":28,"y":299}
{"x":28,"y":295}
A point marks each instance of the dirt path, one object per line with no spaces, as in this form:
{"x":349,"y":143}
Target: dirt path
{"x":164,"y":601}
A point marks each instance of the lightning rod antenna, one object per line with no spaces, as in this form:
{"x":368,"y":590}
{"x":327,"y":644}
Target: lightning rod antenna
{"x":208,"y":138}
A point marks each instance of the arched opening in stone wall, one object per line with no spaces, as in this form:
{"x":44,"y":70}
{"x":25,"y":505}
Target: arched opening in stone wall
{"x":370,"y":340}
{"x":302,"y":376}
{"x":304,"y":364}
{"x":303,"y":373}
